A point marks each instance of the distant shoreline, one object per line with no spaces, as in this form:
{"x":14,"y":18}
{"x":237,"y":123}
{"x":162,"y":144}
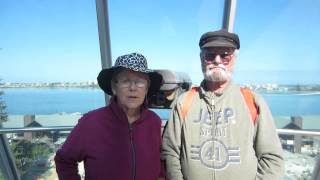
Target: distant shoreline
{"x":55,"y":87}
{"x":264,"y":88}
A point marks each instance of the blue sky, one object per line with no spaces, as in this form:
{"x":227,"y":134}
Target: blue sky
{"x":57,"y":41}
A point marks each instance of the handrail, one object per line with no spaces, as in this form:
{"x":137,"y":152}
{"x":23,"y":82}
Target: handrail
{"x":33,"y":129}
{"x":68,"y":128}
{"x":296,"y":132}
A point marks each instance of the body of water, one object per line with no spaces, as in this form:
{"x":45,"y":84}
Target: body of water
{"x":49,"y":101}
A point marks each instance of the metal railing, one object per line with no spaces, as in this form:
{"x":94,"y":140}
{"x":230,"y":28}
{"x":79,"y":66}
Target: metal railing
{"x":35,"y":129}
{"x":298,"y":132}
{"x":12,"y":173}
{"x":69,"y":128}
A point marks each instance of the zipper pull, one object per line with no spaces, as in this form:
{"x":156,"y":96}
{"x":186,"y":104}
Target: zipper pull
{"x":212,"y":102}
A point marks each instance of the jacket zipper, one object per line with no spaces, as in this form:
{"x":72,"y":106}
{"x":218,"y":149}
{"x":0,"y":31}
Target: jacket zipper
{"x":133,"y":169}
{"x":212,"y":107}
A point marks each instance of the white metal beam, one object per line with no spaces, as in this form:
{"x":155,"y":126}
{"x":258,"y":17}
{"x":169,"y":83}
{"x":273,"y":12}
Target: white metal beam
{"x":229,"y":14}
{"x":104,"y":35}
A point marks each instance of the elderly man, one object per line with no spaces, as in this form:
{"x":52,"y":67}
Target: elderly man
{"x":219,"y":130}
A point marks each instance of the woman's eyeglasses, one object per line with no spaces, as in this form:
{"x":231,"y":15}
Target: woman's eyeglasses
{"x":125,"y":83}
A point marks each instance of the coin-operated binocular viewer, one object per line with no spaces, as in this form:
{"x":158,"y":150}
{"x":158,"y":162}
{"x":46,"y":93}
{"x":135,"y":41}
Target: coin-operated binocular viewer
{"x":174,"y":84}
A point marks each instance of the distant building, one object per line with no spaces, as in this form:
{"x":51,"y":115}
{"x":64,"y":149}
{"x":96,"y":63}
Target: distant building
{"x":294,"y":143}
{"x":21,"y":121}
{"x":29,"y":121}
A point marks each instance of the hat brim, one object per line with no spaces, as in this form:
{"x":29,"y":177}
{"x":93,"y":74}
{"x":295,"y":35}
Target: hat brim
{"x":104,"y":79}
{"x":105,"y":76}
{"x":219,"y":44}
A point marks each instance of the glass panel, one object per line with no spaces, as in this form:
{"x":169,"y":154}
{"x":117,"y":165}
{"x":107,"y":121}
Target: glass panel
{"x":301,"y":155}
{"x":272,"y":62}
{"x":46,"y":46}
{"x":34,"y":153}
{"x":167,"y":32}
{"x":50,"y":51}
{"x":50,"y":59}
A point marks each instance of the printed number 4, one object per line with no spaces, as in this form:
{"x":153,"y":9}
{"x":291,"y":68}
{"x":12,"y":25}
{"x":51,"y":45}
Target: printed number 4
{"x":213,"y":154}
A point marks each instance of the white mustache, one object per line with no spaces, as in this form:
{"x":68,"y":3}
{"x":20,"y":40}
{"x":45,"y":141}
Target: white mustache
{"x":221,"y":66}
{"x":217,"y":73}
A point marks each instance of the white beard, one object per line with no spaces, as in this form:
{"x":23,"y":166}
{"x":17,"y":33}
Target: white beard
{"x":217,"y":74}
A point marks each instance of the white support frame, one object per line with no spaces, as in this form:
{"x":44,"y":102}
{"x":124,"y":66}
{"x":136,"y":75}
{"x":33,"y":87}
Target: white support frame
{"x":229,"y":14}
{"x":104,"y":36}
{"x":7,"y":163}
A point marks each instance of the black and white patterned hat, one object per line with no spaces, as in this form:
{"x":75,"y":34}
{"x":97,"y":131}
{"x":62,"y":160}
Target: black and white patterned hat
{"x":134,"y":61}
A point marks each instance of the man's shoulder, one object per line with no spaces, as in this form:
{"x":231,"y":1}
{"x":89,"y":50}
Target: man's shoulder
{"x":258,"y":98}
{"x":191,"y":93}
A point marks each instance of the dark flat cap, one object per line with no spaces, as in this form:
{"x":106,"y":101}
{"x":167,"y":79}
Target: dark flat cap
{"x":221,"y":38}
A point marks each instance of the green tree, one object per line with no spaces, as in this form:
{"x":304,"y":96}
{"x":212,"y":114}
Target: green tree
{"x":3,"y":114}
{"x":27,"y":152}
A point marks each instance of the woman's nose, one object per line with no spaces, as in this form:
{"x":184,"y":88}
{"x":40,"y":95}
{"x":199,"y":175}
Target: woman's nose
{"x":133,"y":85}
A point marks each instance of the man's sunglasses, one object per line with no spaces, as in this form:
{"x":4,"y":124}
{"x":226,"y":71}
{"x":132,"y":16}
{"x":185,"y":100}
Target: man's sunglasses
{"x":225,"y":56}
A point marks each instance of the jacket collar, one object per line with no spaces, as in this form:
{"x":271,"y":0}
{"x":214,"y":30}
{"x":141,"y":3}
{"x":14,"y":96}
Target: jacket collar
{"x":121,"y":115}
{"x":204,"y":92}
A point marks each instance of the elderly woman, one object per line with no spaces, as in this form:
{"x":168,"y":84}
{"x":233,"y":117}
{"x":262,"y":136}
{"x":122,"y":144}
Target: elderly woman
{"x":122,"y":140}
